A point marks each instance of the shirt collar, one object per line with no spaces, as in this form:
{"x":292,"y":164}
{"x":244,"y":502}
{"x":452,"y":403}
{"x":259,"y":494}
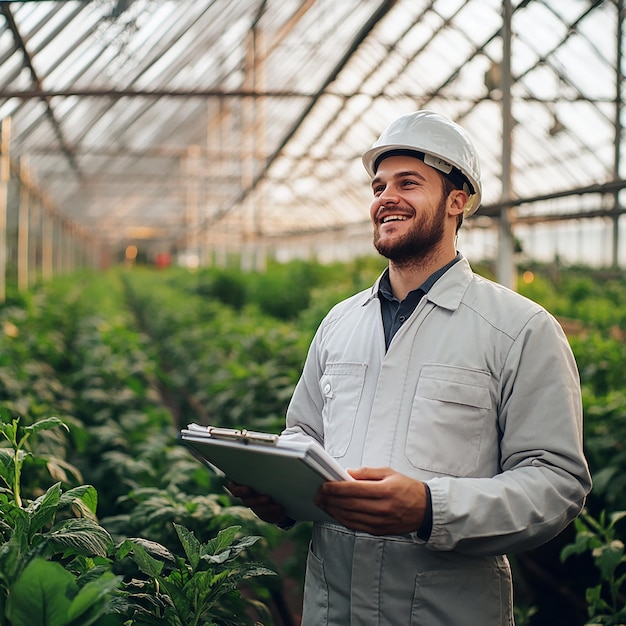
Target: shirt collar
{"x":384,"y":284}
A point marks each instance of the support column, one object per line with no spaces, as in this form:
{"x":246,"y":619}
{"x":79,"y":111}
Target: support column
{"x":23,"y":227}
{"x":192,"y":204}
{"x":5,"y":173}
{"x":47,"y":244}
{"x":618,"y":129}
{"x":505,"y":263}
{"x":34,"y":248}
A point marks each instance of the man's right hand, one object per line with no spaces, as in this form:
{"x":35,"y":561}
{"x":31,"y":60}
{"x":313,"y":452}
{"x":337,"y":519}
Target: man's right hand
{"x":264,"y":507}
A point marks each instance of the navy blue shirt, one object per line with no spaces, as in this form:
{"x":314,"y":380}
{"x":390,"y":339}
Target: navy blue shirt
{"x":394,"y":312}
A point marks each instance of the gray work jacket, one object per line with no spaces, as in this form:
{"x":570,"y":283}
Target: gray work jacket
{"x":478,"y":395}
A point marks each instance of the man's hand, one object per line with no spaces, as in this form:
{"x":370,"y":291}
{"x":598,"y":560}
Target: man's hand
{"x":380,"y":501}
{"x":264,"y":507}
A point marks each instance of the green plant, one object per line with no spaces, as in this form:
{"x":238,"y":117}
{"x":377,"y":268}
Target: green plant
{"x":605,"y":433}
{"x":48,"y":561}
{"x":57,"y":561}
{"x":606,"y":601}
{"x":201,"y":590}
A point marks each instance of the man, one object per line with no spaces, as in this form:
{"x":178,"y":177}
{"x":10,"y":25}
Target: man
{"x":457,"y":399}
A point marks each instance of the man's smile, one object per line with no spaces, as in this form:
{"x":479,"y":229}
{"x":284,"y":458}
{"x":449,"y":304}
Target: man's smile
{"x":393,"y":218}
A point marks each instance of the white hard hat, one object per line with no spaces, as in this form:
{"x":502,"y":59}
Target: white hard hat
{"x":444,"y":145}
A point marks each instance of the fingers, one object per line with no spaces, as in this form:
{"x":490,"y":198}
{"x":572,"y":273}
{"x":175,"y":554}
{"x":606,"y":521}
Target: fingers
{"x":247,"y":495}
{"x":237,"y":490}
{"x":370,"y":473}
{"x":263,"y":506}
{"x":370,"y":483}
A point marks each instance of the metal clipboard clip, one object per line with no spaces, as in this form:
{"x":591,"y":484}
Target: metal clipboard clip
{"x":243,"y":436}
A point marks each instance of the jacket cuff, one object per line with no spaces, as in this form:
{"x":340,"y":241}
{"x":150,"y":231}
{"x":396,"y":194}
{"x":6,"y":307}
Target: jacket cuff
{"x":422,"y":535}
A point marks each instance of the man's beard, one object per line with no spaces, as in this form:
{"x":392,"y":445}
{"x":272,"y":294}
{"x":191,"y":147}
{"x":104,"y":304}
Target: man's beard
{"x":417,"y":245}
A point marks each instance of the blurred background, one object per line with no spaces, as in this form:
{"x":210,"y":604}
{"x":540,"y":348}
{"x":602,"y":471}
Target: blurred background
{"x":189,"y":131}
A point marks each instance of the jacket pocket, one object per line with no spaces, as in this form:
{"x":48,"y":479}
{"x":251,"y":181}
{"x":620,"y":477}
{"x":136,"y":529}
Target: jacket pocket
{"x":448,"y":419}
{"x":341,"y":386}
{"x":315,"y":608}
{"x":463,"y":598}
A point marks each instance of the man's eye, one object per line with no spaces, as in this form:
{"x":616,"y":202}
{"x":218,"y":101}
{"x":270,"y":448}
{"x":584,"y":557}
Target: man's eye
{"x":378,"y":189}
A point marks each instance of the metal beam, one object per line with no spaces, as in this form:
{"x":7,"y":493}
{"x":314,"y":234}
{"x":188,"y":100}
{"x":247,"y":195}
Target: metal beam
{"x":573,"y":215}
{"x":5,"y":9}
{"x":118,"y":94}
{"x":492,"y":210}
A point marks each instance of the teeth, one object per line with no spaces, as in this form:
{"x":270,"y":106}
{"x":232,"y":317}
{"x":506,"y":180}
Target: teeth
{"x":394,"y":218}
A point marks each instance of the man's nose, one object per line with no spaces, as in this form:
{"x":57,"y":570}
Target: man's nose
{"x":388,"y":196}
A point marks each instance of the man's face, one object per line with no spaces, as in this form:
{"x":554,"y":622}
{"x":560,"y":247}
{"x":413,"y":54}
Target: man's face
{"x":408,"y":210}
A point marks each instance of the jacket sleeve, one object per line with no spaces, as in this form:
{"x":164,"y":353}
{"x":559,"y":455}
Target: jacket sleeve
{"x":304,"y":414}
{"x":544,"y":477}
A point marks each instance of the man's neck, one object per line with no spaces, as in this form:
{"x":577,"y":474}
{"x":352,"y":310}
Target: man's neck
{"x":407,"y":276}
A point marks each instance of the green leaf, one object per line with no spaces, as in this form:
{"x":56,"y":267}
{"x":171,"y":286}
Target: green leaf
{"x":594,"y":599}
{"x":153,"y":548}
{"x":84,"y":497}
{"x":13,"y":553}
{"x":48,"y":423}
{"x":179,"y":599}
{"x":232,"y":551}
{"x":82,"y":536}
{"x":191,"y":546}
{"x":245,"y":542}
{"x":9,"y":430}
{"x":44,"y":508}
{"x":7,"y":466}
{"x":145,"y":562}
{"x":608,"y":557}
{"x":257,"y":569}
{"x":222,"y":541}
{"x":581,"y":544}
{"x":216,"y":559}
{"x":42,"y":595}
{"x":91,"y":600}
{"x":617,"y":516}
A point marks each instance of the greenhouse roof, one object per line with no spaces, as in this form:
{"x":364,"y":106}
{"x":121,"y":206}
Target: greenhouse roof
{"x":246,"y":119}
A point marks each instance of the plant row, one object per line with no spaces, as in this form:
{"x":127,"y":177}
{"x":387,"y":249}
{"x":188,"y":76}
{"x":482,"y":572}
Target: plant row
{"x":166,"y":545}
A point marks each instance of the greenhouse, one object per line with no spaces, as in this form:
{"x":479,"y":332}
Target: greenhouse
{"x":182,"y":201}
{"x":200,"y":128}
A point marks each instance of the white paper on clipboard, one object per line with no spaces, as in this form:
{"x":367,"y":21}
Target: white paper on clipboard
{"x":289,"y":471}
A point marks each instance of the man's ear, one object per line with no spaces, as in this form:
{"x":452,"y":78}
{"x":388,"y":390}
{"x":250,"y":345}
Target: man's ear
{"x":456,"y":201}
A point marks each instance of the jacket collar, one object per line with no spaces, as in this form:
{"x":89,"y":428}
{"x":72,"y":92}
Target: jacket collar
{"x":447,"y":292}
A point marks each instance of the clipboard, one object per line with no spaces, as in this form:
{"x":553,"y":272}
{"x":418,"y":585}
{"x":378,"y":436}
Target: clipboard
{"x":289,"y":471}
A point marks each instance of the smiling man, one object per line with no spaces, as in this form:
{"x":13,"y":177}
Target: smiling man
{"x":454,"y":403}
